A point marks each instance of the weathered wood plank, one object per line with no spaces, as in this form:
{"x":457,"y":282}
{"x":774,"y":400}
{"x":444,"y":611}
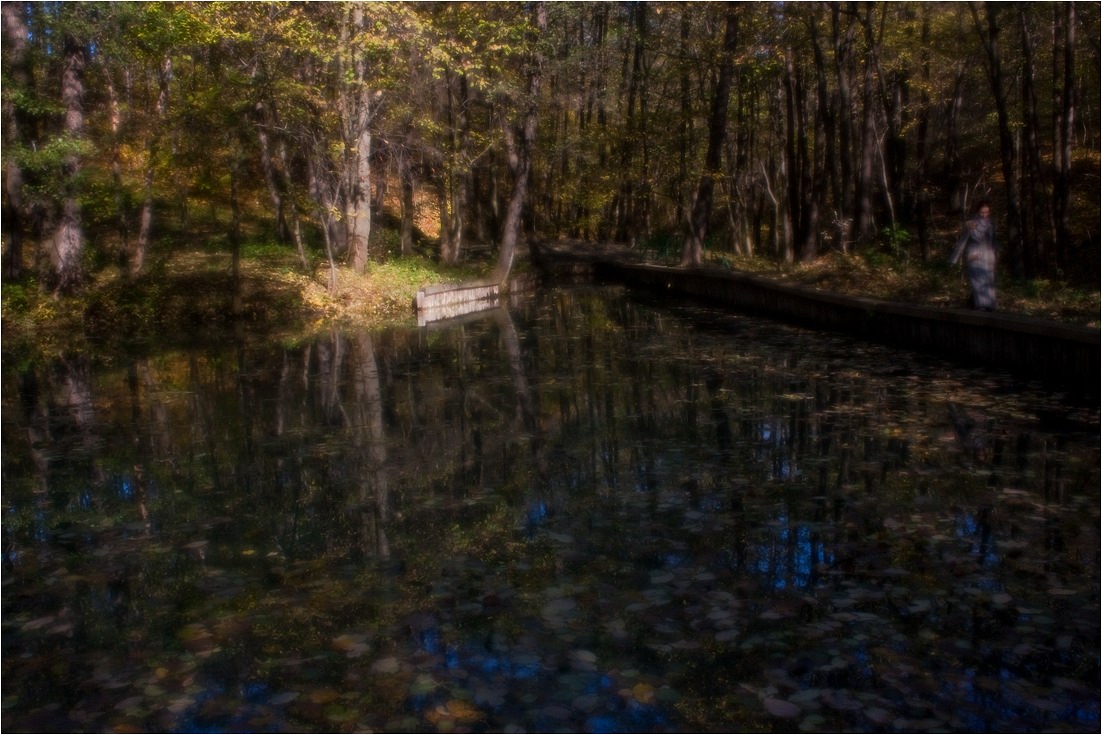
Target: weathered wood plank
{"x":447,"y":300}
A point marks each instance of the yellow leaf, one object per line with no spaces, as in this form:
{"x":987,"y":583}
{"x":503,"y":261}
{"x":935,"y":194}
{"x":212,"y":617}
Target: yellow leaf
{"x":324,"y":696}
{"x":463,"y":711}
{"x":643,"y":692}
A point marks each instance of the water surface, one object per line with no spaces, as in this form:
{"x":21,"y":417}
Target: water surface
{"x":584,"y":513}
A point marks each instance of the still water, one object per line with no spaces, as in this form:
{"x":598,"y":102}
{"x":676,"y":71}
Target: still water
{"x":586,"y":513}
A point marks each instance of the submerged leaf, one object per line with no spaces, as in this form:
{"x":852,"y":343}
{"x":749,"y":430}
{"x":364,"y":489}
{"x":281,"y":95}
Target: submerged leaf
{"x":781,"y":708}
{"x":643,"y":692}
{"x":389,"y":665}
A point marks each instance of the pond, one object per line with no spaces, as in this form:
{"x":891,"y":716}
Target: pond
{"x":585,"y":513}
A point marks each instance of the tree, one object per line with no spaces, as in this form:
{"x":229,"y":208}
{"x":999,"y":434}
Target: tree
{"x":1064,"y":115}
{"x":777,"y":128}
{"x":989,"y":37}
{"x":17,"y":83}
{"x":357,"y":107}
{"x":692,"y":253}
{"x":67,"y":241}
{"x":520,"y":143}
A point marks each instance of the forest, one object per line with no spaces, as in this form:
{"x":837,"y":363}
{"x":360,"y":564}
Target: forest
{"x":350,"y":134}
{"x":241,"y":494}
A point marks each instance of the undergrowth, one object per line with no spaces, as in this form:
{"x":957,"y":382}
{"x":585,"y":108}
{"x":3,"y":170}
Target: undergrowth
{"x":188,"y":295}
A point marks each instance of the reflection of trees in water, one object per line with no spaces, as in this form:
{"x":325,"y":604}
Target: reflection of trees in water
{"x":621,"y":402}
{"x":843,"y":448}
{"x":60,"y":423}
{"x":369,"y":441}
{"x":757,"y":460}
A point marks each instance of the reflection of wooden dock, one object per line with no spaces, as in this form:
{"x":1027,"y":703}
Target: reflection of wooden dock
{"x":1041,"y":348}
{"x":448,"y":300}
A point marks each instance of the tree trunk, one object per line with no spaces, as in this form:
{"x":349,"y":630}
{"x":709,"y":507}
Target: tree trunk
{"x":322,"y":192}
{"x":16,"y":63}
{"x":296,"y":220}
{"x":864,"y":220}
{"x":843,"y":44}
{"x":136,"y":257}
{"x":358,"y":211}
{"x":1034,"y":184}
{"x":954,"y":174}
{"x":358,"y":112}
{"x":271,"y":178}
{"x":1006,"y":137}
{"x":237,"y":304}
{"x":626,"y":224}
{"x":455,"y":184}
{"x":405,"y":179}
{"x":792,"y":164}
{"x":826,"y":118}
{"x":68,"y":239}
{"x":122,"y":224}
{"x":803,"y":196}
{"x":692,"y":253}
{"x":1065,"y":131}
{"x":520,"y":155}
{"x":922,"y":203}
{"x":685,"y":123}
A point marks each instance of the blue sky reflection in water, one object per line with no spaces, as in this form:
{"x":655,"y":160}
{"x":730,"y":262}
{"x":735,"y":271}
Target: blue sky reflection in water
{"x":586,"y":514}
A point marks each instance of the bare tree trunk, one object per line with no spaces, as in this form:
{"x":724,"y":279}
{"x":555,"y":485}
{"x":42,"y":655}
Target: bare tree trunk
{"x":843,"y":45}
{"x":520,"y":158}
{"x":405,"y":179}
{"x":296,"y":220}
{"x":922,"y":203}
{"x":359,"y":209}
{"x":626,"y":196}
{"x":16,"y":55}
{"x":358,"y":109}
{"x":826,"y":119}
{"x":792,"y":163}
{"x":684,"y":132}
{"x":1006,"y":138}
{"x":953,"y":174}
{"x":455,"y":184}
{"x":1065,"y":132}
{"x":115,"y":119}
{"x":803,"y":196}
{"x":1034,"y":185}
{"x":692,"y":252}
{"x":275,"y":192}
{"x":864,"y":221}
{"x":323,"y":194}
{"x":235,"y":229}
{"x":68,"y":239}
{"x":145,"y":228}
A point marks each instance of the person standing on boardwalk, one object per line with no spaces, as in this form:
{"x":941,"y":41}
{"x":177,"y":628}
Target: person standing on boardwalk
{"x":977,"y":245}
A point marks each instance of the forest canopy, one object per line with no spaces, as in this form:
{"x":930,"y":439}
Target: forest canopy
{"x":365,"y":130}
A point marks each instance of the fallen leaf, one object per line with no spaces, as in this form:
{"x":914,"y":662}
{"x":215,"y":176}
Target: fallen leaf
{"x":781,"y":708}
{"x":643,"y":692}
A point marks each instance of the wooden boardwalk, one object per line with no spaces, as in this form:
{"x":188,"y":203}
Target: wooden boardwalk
{"x":1057,"y":353}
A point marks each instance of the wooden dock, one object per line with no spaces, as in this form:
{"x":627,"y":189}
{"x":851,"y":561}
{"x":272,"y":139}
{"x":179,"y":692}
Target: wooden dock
{"x":443,"y":301}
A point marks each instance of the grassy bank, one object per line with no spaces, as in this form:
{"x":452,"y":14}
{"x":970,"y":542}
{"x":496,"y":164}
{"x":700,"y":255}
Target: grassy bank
{"x":187,"y":296}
